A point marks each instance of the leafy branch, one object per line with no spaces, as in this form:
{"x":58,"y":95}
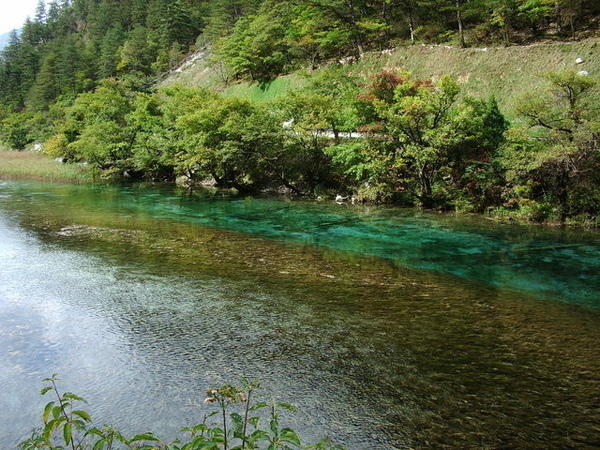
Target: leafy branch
{"x":235,"y":425}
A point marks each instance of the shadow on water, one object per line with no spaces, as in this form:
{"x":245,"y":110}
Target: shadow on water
{"x":143,"y":298}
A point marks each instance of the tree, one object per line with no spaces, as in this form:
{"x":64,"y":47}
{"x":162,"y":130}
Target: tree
{"x":475,"y":172}
{"x":97,"y":130}
{"x":230,"y":140}
{"x":504,"y":17}
{"x":224,"y":14}
{"x":419,"y":139}
{"x":61,"y":18}
{"x":47,"y":84}
{"x":314,"y":117}
{"x":311,"y":36}
{"x":418,"y":121}
{"x":36,"y":32}
{"x":355,"y":22}
{"x":153,"y":148}
{"x":408,"y":8}
{"x":137,"y":53}
{"x":12,"y":77}
{"x":532,"y":13}
{"x":102,"y":17}
{"x":110,"y":52}
{"x":567,"y":13}
{"x":257,"y":48}
{"x":563,"y":151}
{"x":172,"y":22}
{"x":15,"y":131}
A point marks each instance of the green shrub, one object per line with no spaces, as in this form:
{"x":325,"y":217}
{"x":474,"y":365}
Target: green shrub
{"x":235,"y":425}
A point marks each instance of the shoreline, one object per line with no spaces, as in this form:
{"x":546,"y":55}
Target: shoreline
{"x":35,"y":166}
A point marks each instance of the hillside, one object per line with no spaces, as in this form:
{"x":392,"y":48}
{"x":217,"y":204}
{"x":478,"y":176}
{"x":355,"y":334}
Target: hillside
{"x":80,"y":82}
{"x":504,"y":72}
{"x":69,"y":47}
{"x":542,"y":166}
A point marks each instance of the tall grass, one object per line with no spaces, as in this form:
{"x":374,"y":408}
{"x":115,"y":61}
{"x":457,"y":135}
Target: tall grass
{"x":36,"y":166}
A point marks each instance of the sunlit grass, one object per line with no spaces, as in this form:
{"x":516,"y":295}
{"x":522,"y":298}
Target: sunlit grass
{"x":504,"y":72}
{"x":36,"y":166}
{"x":264,"y":92}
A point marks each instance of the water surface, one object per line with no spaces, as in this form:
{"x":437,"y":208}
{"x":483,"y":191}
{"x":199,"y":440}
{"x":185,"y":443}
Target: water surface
{"x":388,"y":328}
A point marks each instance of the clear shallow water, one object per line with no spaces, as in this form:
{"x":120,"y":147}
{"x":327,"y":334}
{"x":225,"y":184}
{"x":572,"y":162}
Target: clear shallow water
{"x":142,"y":298}
{"x":551,"y":263}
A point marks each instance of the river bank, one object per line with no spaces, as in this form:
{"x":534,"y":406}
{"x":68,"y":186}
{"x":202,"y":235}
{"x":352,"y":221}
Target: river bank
{"x":35,"y":166}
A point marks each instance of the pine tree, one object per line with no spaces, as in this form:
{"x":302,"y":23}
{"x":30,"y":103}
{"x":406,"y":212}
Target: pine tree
{"x":136,"y":54}
{"x":12,"y":92}
{"x":47,"y":86}
{"x":110,"y":49}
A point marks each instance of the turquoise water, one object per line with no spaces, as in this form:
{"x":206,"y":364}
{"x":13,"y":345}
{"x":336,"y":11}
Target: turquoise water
{"x":387,"y":328}
{"x":550,"y":263}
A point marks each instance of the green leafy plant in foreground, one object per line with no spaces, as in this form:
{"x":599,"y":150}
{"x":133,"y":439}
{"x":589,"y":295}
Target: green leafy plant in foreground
{"x":236,"y":424}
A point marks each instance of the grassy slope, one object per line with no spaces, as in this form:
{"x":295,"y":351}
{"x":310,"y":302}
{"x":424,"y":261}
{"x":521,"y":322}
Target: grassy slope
{"x":505,"y":72}
{"x":199,"y":74}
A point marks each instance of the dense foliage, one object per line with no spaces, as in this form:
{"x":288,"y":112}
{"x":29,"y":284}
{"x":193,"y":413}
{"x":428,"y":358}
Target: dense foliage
{"x":67,"y":47}
{"x":81,"y":78}
{"x":418,"y":142}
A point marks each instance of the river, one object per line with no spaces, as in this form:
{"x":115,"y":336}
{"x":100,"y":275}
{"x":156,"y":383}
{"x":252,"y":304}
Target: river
{"x":387,"y":328}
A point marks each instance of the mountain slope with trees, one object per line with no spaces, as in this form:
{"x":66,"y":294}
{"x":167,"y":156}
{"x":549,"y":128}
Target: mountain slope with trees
{"x":82,"y":79}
